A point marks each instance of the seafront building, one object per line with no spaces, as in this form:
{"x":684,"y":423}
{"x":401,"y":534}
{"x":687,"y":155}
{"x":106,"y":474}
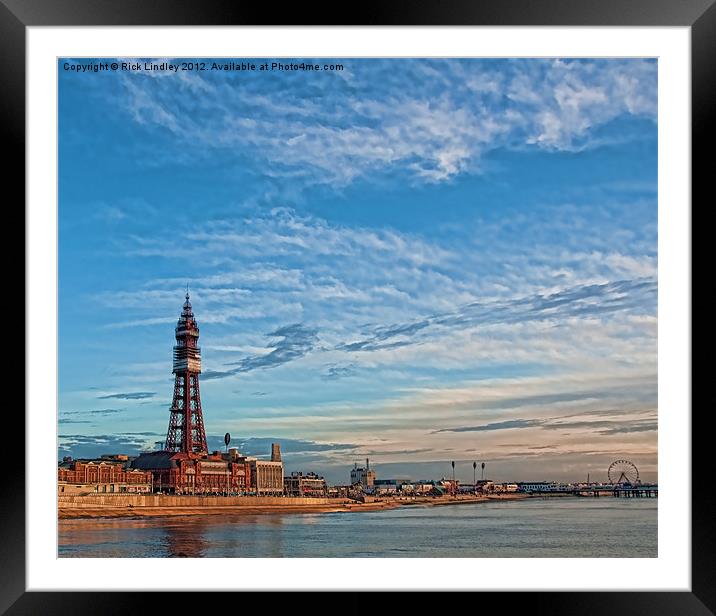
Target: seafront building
{"x":107,"y":475}
{"x":423,"y":487}
{"x":181,"y":473}
{"x":392,"y":486}
{"x":310,"y":484}
{"x":266,"y":477}
{"x":484,"y":485}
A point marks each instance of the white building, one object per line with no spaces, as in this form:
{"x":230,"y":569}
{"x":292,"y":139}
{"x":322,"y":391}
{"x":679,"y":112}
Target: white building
{"x":536,"y":486}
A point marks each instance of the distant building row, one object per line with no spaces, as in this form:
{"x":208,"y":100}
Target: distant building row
{"x":364,"y":479}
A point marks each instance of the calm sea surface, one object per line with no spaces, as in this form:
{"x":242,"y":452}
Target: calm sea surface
{"x":539,"y":527}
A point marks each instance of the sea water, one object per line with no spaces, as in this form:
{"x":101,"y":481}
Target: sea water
{"x":604,"y":527}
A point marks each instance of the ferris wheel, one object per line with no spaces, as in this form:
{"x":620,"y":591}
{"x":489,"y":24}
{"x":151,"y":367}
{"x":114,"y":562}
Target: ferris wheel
{"x":623,"y":471}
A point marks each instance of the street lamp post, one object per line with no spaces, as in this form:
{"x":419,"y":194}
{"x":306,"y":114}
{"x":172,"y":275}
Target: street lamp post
{"x":474,"y":476}
{"x":483,"y":470}
{"x":453,"y":478}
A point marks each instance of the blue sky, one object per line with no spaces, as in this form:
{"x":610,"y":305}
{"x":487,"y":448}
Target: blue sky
{"x":414,"y":260}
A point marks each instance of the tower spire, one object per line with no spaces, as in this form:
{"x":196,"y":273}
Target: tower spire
{"x":186,"y":423}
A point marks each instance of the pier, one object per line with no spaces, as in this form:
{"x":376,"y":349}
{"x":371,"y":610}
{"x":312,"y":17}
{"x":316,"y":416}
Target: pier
{"x":637,"y":491}
{"x":616,"y":491}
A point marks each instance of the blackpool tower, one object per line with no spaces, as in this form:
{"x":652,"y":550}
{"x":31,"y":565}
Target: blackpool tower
{"x":186,"y":424}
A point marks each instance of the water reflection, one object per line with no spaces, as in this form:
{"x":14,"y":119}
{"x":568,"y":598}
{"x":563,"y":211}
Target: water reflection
{"x":237,"y":536}
{"x":187,"y":540}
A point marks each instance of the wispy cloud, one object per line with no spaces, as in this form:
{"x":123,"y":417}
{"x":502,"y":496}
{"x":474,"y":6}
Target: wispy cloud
{"x":377,"y":273}
{"x":293,"y":342}
{"x":603,"y":427}
{"x":583,"y":301}
{"x":336,"y":371}
{"x":588,"y":301}
{"x":132,"y":395}
{"x":93,"y":412}
{"x":432,"y":119}
{"x":94,"y":446}
{"x":500,"y":425}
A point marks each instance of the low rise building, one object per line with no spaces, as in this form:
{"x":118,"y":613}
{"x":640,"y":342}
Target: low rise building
{"x":103,"y":476}
{"x":484,"y":485}
{"x":392,"y":486}
{"x":449,"y":486}
{"x":309,"y":484}
{"x":338,"y":491}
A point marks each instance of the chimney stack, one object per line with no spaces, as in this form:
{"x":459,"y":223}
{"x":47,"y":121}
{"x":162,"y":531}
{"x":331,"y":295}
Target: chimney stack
{"x":275,"y":452}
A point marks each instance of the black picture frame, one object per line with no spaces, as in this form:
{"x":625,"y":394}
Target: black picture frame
{"x":699,"y":15}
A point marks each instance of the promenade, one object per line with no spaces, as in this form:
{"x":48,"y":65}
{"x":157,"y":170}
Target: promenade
{"x":123,"y":506}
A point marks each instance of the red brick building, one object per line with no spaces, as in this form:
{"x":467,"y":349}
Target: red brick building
{"x":101,"y":476}
{"x":184,"y":473}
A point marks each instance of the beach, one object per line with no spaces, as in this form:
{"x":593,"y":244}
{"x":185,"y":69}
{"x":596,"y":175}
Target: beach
{"x":158,"y":506}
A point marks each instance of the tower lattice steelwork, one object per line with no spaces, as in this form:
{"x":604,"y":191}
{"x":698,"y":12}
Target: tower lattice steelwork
{"x":186,"y":424}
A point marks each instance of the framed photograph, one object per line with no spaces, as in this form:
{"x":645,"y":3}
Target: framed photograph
{"x":397,"y":304}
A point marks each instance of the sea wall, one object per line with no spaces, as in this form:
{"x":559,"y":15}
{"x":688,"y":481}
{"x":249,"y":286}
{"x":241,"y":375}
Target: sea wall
{"x":163,"y":500}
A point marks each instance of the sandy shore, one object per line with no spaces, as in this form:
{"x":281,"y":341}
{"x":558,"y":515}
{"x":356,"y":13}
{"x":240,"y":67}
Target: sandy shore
{"x":73,"y":513}
{"x":462,"y":500}
{"x":151,"y":512}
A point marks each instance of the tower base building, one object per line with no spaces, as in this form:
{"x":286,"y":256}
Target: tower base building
{"x":180,"y":473}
